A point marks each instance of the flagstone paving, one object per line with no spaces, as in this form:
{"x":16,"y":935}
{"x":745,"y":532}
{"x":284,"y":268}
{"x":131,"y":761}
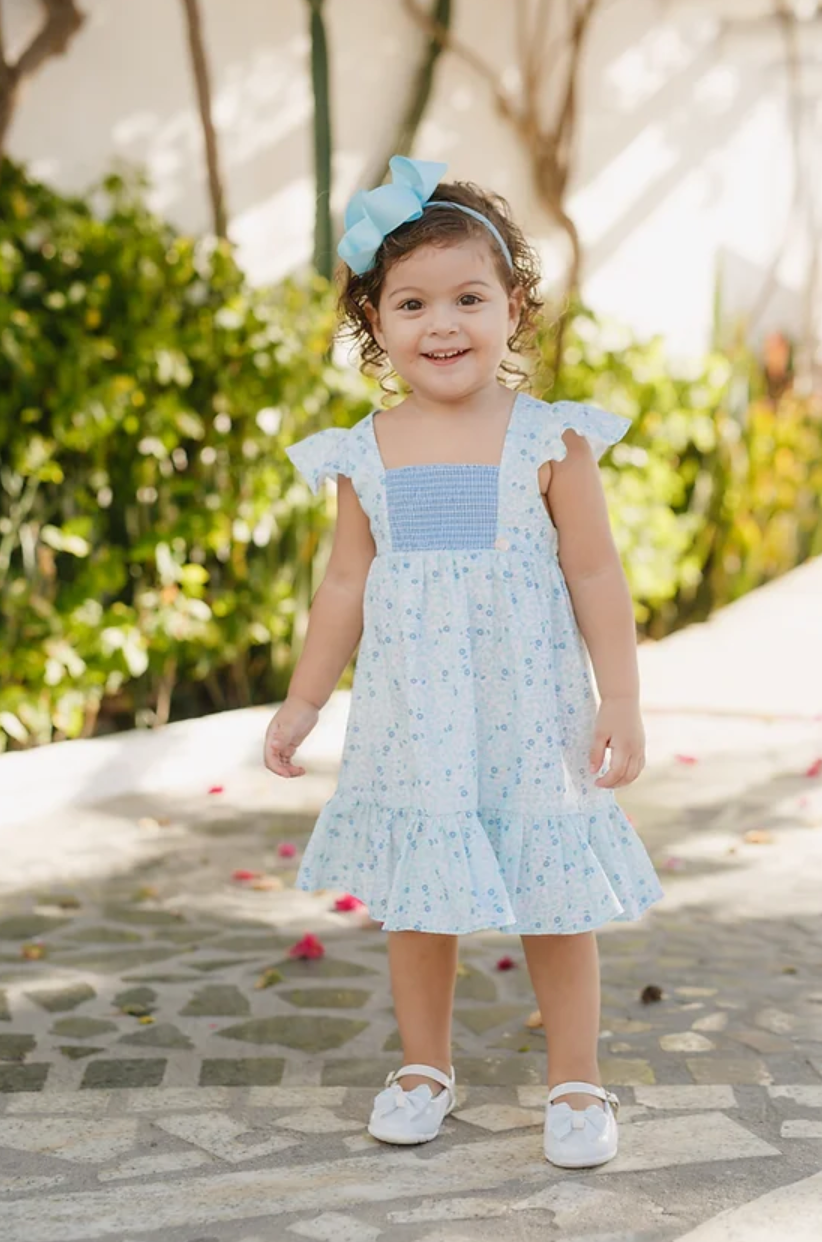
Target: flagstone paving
{"x":168,"y":1070}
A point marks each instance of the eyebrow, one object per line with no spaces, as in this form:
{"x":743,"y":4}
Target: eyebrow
{"x":414,"y":289}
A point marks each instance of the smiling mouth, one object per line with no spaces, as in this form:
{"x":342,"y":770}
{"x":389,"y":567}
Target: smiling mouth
{"x":445,"y":355}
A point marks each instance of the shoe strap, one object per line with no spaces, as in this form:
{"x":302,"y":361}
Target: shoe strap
{"x":425,"y":1071}
{"x":583,"y":1088}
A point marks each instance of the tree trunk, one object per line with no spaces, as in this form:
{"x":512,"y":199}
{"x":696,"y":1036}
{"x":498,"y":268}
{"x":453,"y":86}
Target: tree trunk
{"x":8,"y":102}
{"x":422,"y":85}
{"x":199,"y":64}
{"x":323,"y":228}
{"x":61,"y":21}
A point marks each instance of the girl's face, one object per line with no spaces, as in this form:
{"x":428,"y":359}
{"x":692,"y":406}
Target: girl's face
{"x":444,"y":319}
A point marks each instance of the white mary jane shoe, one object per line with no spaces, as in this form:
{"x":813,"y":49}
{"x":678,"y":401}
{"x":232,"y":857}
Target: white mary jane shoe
{"x":578,"y":1138}
{"x":412,"y":1116}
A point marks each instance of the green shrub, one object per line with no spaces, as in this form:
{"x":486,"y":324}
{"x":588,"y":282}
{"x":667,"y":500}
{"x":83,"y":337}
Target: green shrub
{"x":158,"y":554}
{"x":715,"y":490}
{"x":153,"y":539}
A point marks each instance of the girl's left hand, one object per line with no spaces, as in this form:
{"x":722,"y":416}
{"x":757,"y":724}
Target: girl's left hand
{"x":618,"y":726}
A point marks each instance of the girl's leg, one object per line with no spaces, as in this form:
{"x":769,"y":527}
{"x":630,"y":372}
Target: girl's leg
{"x":564,"y":972}
{"x":423,"y":975}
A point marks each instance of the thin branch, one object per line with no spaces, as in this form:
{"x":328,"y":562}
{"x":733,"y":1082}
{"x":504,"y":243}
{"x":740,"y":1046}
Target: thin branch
{"x":450,"y":43}
{"x":202,"y":82}
{"x":541,"y":22}
{"x":61,"y":21}
{"x":566,"y":123}
{"x":418,"y":97}
{"x":533,"y":56}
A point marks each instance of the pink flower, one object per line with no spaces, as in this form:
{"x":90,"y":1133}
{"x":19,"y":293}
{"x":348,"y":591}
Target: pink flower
{"x":349,"y":903}
{"x":286,"y":850}
{"x":506,"y":963}
{"x":308,"y":947}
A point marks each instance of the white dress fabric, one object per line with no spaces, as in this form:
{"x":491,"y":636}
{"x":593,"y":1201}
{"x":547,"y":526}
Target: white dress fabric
{"x":464,"y":799}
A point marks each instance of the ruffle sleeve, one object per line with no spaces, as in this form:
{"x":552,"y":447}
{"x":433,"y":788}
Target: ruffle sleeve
{"x":600,"y":428}
{"x":323,"y":455}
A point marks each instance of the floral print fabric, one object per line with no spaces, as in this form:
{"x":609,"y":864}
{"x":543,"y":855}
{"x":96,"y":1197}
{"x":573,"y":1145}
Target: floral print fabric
{"x":464,"y":799}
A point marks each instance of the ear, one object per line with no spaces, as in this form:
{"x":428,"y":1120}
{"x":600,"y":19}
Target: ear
{"x":515,"y":299}
{"x":373,"y":317}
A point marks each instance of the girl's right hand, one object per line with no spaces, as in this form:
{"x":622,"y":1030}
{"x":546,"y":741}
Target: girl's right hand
{"x":289,"y":726}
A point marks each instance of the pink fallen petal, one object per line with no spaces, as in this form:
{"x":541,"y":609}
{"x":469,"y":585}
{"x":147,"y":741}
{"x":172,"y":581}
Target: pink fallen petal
{"x":686,"y":759}
{"x":673,"y":864}
{"x":308,"y":947}
{"x":506,"y":963}
{"x":217,"y":789}
{"x":286,"y":850}
{"x":803,"y":802}
{"x":242,"y":876}
{"x":348,"y":902}
{"x":815,"y":769}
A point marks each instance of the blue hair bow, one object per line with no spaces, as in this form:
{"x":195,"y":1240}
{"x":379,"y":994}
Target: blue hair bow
{"x":372,"y":214}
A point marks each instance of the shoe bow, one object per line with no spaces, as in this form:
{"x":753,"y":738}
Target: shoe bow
{"x":563,"y":1120}
{"x":394,"y":1097}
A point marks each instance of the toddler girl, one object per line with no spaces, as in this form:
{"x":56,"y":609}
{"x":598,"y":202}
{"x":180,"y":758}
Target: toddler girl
{"x":474,"y":564}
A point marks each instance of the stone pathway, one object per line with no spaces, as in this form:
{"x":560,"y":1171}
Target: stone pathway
{"x":168,"y":1071}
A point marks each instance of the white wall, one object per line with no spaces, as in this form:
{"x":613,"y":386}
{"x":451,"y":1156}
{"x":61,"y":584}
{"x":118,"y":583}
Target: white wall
{"x":684,"y":162}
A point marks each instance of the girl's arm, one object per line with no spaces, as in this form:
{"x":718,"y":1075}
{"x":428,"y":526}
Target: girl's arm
{"x":602,"y":603}
{"x":336,"y":617}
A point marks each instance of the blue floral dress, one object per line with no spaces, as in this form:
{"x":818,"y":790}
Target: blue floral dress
{"x":465,"y":799}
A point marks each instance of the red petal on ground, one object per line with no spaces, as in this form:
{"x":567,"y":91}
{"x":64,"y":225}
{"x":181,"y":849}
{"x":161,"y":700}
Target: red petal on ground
{"x":308,"y":947}
{"x":506,"y":963}
{"x":215,"y":789}
{"x":349,"y":903}
{"x":686,"y":759}
{"x":286,"y":850}
{"x":242,"y":877}
{"x":815,"y":769}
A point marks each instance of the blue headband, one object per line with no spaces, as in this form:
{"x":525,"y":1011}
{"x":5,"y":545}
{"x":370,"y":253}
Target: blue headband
{"x":372,"y":214}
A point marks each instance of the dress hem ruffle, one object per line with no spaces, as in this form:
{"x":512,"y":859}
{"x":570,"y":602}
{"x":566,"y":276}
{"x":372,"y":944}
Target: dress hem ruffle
{"x":466,"y":871}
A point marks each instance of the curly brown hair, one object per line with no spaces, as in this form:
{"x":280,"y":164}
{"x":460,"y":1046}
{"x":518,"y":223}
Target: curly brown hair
{"x":445,"y":227}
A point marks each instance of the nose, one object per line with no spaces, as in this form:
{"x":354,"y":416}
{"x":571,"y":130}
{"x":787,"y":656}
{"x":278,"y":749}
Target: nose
{"x":442,"y":322}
